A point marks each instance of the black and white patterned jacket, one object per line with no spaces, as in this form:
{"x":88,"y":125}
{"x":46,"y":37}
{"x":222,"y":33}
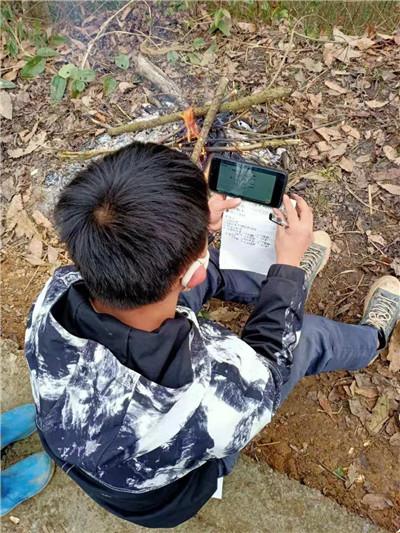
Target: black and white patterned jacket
{"x":136,"y":435}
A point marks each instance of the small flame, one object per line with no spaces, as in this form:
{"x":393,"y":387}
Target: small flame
{"x":192,"y":130}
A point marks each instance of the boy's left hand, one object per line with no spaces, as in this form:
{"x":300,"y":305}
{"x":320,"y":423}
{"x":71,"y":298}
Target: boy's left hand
{"x":218,"y":203}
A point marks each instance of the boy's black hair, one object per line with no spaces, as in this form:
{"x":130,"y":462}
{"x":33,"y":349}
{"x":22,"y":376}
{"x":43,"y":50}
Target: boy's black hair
{"x":133,"y":221}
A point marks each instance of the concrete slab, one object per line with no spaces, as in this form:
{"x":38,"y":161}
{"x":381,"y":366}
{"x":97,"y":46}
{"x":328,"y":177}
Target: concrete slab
{"x":256,"y":499}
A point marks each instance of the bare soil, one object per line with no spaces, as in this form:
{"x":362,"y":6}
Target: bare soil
{"x":320,"y":435}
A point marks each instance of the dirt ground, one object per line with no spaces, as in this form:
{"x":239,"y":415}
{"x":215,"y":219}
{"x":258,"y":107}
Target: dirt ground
{"x":339,"y":432}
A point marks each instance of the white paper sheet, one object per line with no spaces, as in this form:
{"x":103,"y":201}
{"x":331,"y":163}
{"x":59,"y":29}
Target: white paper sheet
{"x":248,"y":239}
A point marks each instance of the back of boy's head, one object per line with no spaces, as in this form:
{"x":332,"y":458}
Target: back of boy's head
{"x":133,"y":221}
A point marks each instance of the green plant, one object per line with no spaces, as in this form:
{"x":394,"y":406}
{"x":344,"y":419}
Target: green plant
{"x":222,"y":22}
{"x":122,"y":61}
{"x":109,"y":85}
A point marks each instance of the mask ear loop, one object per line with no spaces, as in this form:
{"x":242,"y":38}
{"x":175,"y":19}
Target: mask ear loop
{"x":202,"y":261}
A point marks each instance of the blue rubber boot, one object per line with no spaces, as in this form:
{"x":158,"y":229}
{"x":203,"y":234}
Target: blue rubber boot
{"x":17,"y":424}
{"x":24,"y":479}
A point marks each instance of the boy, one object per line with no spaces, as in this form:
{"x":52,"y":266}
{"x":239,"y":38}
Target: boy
{"x":144,"y":406}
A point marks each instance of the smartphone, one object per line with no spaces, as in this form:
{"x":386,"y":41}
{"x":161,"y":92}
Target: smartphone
{"x":259,"y":184}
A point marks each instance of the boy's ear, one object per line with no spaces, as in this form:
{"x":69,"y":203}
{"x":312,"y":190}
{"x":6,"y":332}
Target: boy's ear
{"x":198,"y":277}
{"x":191,"y":280}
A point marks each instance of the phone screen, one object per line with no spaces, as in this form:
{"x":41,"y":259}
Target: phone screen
{"x":240,"y":179}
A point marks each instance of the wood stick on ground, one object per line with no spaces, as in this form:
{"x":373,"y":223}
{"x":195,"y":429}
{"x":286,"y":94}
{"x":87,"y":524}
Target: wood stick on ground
{"x":208,"y":121}
{"x":269,"y":143}
{"x":86,"y":154}
{"x":150,"y":71}
{"x":234,"y":106}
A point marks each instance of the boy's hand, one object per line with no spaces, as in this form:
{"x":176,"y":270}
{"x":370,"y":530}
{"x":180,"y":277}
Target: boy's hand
{"x":293,"y":240}
{"x":218,"y":203}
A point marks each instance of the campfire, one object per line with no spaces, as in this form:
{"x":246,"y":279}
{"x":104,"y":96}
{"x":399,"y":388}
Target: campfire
{"x":224,"y":125}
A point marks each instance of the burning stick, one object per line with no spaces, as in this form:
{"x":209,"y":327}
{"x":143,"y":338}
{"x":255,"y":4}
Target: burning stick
{"x":208,"y":121}
{"x":234,"y":106}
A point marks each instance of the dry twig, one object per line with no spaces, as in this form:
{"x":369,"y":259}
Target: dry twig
{"x":208,"y":121}
{"x":234,"y":106}
{"x":86,"y":154}
{"x":269,"y":143}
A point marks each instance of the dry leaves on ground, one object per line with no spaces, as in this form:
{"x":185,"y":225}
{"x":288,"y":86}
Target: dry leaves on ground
{"x":17,"y":219}
{"x":377,"y":502}
{"x":394,"y":350}
{"x":6,"y":107}
{"x":391,"y":154}
{"x":389,"y":187}
{"x":34,"y":143}
{"x":35,"y":252}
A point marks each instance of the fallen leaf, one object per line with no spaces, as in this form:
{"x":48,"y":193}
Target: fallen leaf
{"x":34,"y":252}
{"x":395,"y":264}
{"x":364,"y":158}
{"x":27,"y":135}
{"x":377,"y":239}
{"x":346,"y":164}
{"x":389,"y":187}
{"x":24,"y":226}
{"x":363,"y":43}
{"x":345,"y":54}
{"x":395,"y":440}
{"x":335,"y":87}
{"x":391,"y":174}
{"x":394,"y":350}
{"x":325,"y":404}
{"x":338,"y":151}
{"x":391,"y":154}
{"x":8,"y":189}
{"x":352,"y":475}
{"x":6,"y":107}
{"x":41,"y":220}
{"x":353,"y":132}
{"x":379,"y":415}
{"x":377,"y":502}
{"x":52,"y":254}
{"x":379,"y":136}
{"x":323,"y":146}
{"x":13,"y":211}
{"x":222,"y":314}
{"x":299,"y":76}
{"x":33,"y":145}
{"x":248,"y":27}
{"x":341,"y":37}
{"x":375,"y":104}
{"x":328,"y":54}
{"x":324,"y":132}
{"x":367,"y":392}
{"x":358,"y":410}
{"x":125,"y":86}
{"x":12,"y":74}
{"x":312,"y":66}
{"x":315,"y":100}
{"x":17,"y":218}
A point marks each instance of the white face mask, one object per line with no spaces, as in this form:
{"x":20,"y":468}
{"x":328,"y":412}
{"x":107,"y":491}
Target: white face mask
{"x":193,"y":267}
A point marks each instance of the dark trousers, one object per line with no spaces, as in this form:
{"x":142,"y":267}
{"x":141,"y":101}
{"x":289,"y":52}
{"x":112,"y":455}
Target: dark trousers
{"x":324,"y":344}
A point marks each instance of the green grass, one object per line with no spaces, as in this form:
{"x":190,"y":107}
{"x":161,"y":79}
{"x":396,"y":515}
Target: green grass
{"x":354,"y":17}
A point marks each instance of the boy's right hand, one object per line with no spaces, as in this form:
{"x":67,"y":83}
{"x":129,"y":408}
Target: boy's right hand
{"x":292,"y":241}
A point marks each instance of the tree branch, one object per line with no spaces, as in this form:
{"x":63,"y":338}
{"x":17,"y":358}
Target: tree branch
{"x":234,"y":106}
{"x":208,"y":121}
